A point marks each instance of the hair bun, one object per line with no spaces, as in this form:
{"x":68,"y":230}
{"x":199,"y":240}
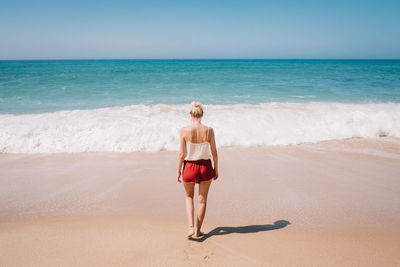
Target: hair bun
{"x":196,"y":109}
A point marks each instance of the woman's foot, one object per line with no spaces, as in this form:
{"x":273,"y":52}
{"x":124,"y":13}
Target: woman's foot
{"x":198,"y":233}
{"x":190,"y":233}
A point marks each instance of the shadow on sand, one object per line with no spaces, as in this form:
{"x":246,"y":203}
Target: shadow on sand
{"x":242,"y":230}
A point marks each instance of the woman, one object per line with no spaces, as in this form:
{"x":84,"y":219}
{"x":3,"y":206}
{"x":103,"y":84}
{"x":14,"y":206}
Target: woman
{"x":197,"y":144}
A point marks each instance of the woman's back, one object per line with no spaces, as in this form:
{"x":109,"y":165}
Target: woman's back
{"x":197,"y":142}
{"x":197,"y":134}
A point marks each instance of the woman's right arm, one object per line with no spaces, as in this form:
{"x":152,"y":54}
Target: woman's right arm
{"x":182,"y":153}
{"x":214,"y":152}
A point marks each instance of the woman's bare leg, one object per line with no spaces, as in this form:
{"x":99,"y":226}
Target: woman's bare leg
{"x":203,"y":193}
{"x":189,"y":188}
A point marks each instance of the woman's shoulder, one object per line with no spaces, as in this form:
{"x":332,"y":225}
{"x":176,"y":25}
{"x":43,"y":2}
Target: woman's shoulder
{"x":210,"y":129}
{"x":185,"y":129}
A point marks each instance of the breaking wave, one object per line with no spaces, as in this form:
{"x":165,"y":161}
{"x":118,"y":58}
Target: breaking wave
{"x":156,"y":127}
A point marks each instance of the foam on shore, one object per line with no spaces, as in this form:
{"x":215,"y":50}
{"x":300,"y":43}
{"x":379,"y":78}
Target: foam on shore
{"x":156,"y":127}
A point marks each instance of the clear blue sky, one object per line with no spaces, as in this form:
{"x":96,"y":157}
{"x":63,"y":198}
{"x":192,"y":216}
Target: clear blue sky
{"x":199,"y":29}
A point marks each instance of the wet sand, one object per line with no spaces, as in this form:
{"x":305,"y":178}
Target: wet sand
{"x":334,"y":203}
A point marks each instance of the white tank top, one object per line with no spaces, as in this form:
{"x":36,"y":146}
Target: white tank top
{"x":197,"y":151}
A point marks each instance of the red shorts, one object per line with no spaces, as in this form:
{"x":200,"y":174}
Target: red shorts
{"x":197,"y":171}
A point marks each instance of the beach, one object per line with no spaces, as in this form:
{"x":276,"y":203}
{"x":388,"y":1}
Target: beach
{"x":332,"y":203}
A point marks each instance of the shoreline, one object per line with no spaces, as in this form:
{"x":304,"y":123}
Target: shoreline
{"x":334,"y":203}
{"x":134,"y":128}
{"x":323,"y":143}
{"x":80,"y":171}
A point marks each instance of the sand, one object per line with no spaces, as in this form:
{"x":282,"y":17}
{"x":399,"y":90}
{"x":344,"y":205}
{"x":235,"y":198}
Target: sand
{"x":333,"y":203}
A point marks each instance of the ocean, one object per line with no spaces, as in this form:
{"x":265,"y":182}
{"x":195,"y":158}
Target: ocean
{"x":54,"y":106}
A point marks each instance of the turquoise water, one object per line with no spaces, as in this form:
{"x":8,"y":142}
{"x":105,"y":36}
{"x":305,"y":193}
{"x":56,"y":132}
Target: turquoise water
{"x":139,"y":105}
{"x":46,"y":86}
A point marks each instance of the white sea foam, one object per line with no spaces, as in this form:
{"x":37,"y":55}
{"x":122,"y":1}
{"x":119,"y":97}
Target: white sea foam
{"x":156,"y":127}
{"x":303,"y":96}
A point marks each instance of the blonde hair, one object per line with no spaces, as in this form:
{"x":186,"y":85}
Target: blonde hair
{"x":196,"y":109}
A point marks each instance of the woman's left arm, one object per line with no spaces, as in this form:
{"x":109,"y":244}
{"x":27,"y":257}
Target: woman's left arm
{"x":182,"y":153}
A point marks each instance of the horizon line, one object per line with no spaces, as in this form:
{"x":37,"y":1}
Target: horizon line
{"x":72,"y":59}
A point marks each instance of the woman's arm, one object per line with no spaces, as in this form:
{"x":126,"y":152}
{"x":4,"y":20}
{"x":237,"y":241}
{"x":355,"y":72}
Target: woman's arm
{"x":214,"y":152}
{"x":182,"y":153}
